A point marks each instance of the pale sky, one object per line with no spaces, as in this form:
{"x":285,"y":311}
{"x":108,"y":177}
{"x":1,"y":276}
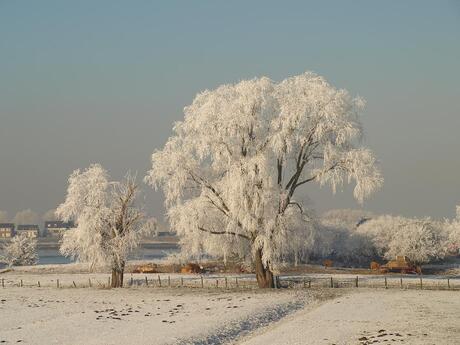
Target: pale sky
{"x":103,"y":81}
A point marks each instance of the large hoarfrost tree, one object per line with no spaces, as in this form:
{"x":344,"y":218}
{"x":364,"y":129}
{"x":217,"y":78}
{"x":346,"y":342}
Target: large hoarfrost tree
{"x":233,"y":167}
{"x":109,"y":224}
{"x":20,"y":251}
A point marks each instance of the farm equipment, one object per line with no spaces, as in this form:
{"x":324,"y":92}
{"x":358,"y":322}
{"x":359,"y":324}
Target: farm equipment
{"x":147,"y":268}
{"x":400,"y":264}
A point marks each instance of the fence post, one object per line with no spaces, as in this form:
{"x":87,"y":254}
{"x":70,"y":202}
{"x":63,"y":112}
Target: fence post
{"x":181,"y":281}
{"x":3,"y":282}
{"x":169,"y":281}
{"x":159,"y":281}
{"x":201,"y":281}
{"x":448,"y":283}
{"x":131,"y":282}
{"x":57,"y":283}
{"x":226,"y":283}
{"x":39,"y":283}
{"x":146,"y":281}
{"x":74,"y":285}
{"x":21,"y":283}
{"x":236,"y":281}
{"x":108,"y":282}
{"x":89,"y":282}
{"x":356,"y":281}
{"x":421,"y":283}
{"x":386,"y":284}
{"x":217,"y":283}
{"x":400,"y":281}
{"x":332,"y":285}
{"x":309,"y":283}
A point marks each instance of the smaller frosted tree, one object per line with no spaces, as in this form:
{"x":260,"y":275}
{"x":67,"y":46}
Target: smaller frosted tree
{"x":21,"y":251}
{"x":421,"y":240}
{"x":418,"y":239}
{"x":453,"y":232}
{"x":3,"y":217}
{"x":26,"y":217}
{"x":109,"y":223}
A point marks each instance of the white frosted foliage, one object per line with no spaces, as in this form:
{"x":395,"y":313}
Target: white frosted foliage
{"x":21,"y":250}
{"x":232,"y":170}
{"x":109,"y":224}
{"x":422,"y":240}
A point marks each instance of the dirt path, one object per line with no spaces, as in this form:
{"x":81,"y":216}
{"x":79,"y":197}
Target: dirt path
{"x":371,"y":317}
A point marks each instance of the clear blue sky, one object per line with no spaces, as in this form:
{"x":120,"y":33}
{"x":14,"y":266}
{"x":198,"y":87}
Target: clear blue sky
{"x":103,"y":81}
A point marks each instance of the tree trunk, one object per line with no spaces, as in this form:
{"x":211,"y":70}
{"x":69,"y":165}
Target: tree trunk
{"x":117,"y":276}
{"x":264,"y":275}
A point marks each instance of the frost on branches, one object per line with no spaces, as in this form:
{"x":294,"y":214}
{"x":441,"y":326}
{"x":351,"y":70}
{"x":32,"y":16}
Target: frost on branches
{"x":108,"y":222}
{"x":22,"y":250}
{"x":421,"y":240}
{"x":453,"y":233}
{"x":231,"y":171}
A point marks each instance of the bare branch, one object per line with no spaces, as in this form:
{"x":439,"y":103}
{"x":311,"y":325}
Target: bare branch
{"x":223,"y":233}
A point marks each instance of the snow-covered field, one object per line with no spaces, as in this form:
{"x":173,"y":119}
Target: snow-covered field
{"x":371,"y":317}
{"x":140,"y":316}
{"x":67,"y":316}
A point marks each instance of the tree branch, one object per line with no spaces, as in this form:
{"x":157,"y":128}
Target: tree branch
{"x":296,"y":204}
{"x":223,"y":233}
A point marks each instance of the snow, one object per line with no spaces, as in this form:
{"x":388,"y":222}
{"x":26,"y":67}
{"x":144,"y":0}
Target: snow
{"x":407,"y":316}
{"x":245,"y":317}
{"x":138,"y":316}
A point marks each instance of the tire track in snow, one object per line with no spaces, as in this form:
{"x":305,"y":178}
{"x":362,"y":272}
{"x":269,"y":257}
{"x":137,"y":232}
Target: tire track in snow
{"x":240,"y":328}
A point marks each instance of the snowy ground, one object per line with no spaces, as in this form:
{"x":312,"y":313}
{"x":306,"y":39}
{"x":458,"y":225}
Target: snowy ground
{"x":371,"y":317}
{"x":140,"y":315}
{"x":215,"y":315}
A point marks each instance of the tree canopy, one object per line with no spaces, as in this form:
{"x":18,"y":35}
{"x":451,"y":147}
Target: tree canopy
{"x":231,"y":170}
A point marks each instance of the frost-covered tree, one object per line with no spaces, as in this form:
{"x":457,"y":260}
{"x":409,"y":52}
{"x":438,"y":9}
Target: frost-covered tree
{"x":418,"y":239}
{"x":4,"y":217}
{"x":452,"y":228}
{"x":345,"y":218}
{"x":109,"y":224}
{"x":233,"y":167}
{"x":382,"y":230}
{"x":49,"y":215}
{"x":421,"y":240}
{"x":26,"y":217}
{"x":342,"y":244}
{"x":20,"y":251}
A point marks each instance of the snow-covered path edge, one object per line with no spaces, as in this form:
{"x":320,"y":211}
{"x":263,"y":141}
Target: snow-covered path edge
{"x":238,"y":330}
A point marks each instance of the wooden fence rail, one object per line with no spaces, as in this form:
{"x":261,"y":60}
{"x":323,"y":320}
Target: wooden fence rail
{"x":246,"y":282}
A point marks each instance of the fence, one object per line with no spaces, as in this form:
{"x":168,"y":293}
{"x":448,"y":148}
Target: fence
{"x":240,"y":282}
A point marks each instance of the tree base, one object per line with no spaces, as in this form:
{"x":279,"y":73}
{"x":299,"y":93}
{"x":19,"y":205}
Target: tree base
{"x":264,"y":275}
{"x":117,"y":278}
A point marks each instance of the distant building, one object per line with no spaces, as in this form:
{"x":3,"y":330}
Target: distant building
{"x":57,"y":228}
{"x":31,"y":230}
{"x":6,"y":230}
